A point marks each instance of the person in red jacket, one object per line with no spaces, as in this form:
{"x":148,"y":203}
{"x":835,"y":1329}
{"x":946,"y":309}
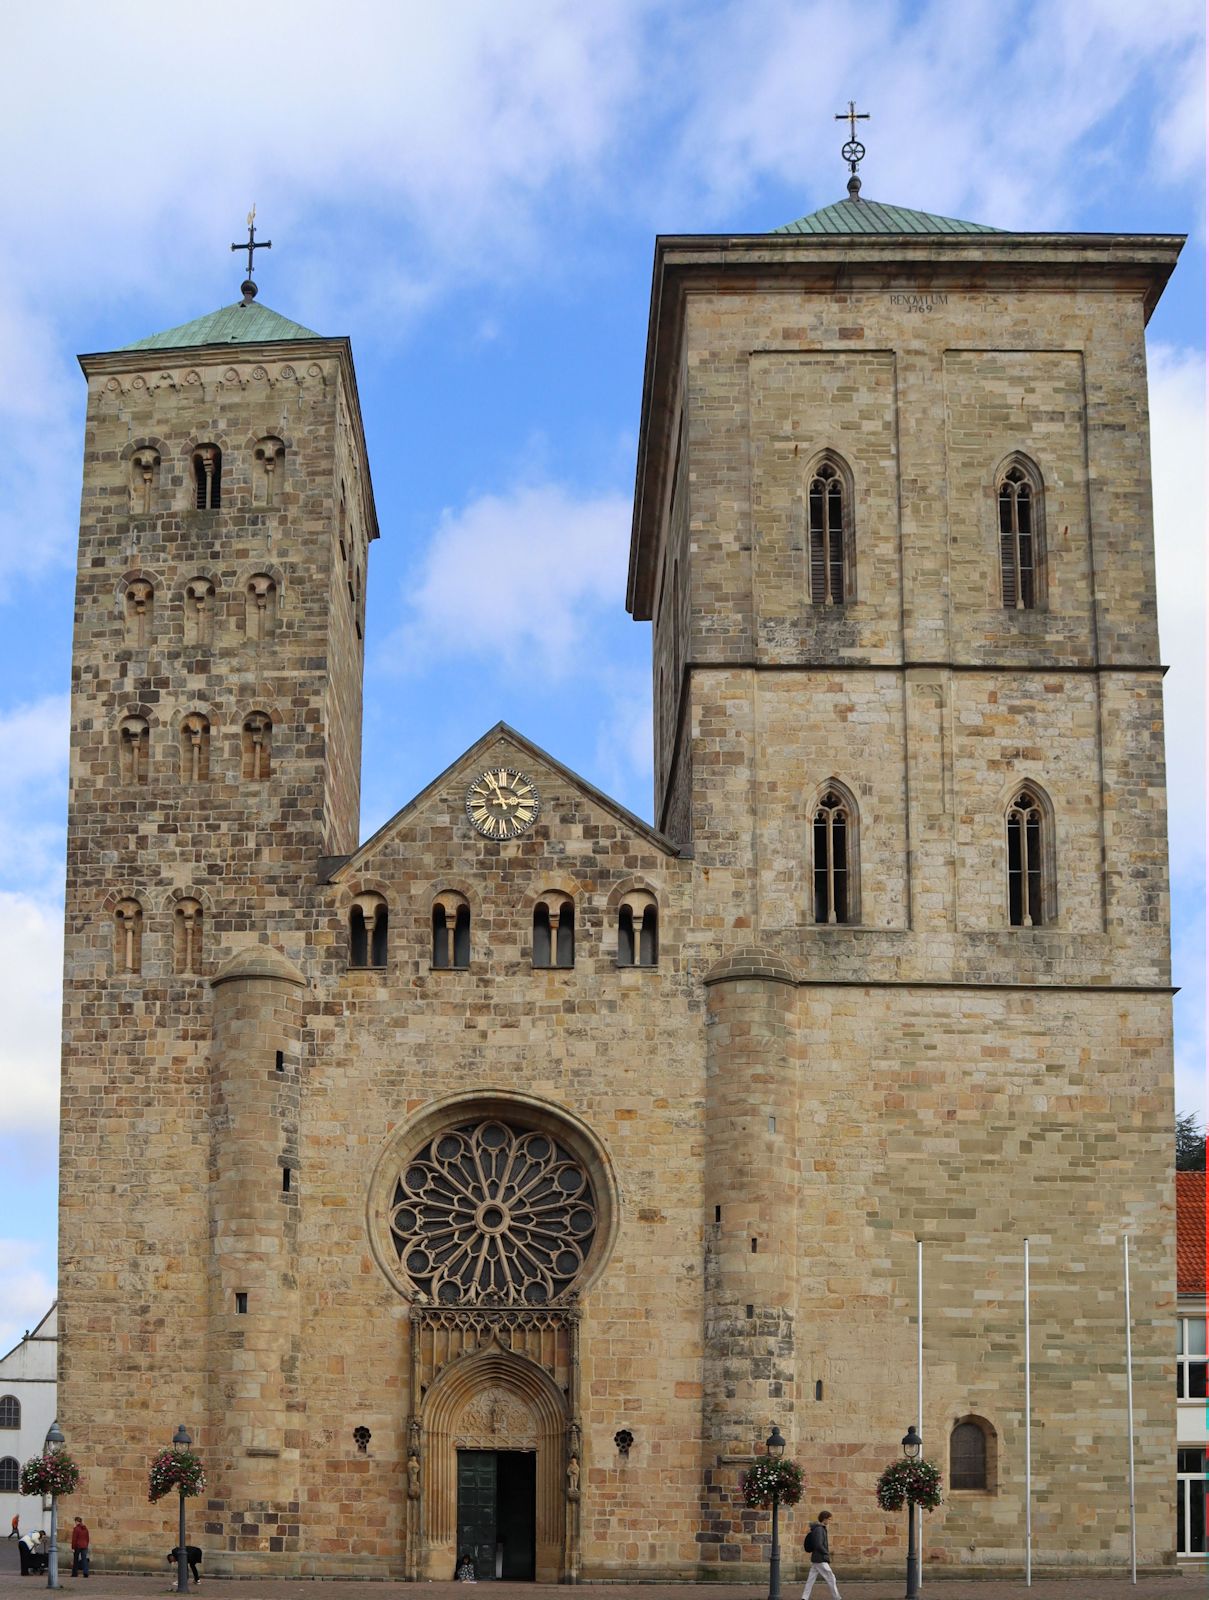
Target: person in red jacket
{"x":79,"y":1549}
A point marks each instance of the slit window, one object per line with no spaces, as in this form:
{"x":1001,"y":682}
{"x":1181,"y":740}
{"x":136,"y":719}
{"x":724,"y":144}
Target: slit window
{"x":241,"y":1302}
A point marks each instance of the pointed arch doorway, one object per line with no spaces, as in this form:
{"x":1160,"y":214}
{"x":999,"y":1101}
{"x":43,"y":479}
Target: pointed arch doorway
{"x":494,"y":1430}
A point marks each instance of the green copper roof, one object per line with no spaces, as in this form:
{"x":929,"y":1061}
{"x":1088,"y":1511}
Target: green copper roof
{"x":870,"y":216}
{"x":237,"y":324}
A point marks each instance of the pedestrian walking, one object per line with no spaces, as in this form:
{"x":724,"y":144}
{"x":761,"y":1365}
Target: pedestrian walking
{"x":79,"y":1548}
{"x":818,"y":1545}
{"x":15,"y":1531}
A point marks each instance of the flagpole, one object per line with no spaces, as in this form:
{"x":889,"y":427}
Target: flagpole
{"x":1133,"y":1520}
{"x":919,"y":1379}
{"x":1028,"y":1436}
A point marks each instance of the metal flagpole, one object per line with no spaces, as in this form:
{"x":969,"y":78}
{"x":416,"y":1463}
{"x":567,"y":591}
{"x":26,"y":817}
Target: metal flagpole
{"x":919,"y":1380}
{"x":1133,"y":1520}
{"x":1028,"y":1437}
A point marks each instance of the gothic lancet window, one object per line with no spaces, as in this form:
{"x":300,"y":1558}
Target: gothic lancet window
{"x":451,"y":931}
{"x":833,"y":831}
{"x":134,"y":750}
{"x":195,"y":749}
{"x":187,"y":937}
{"x":207,"y":477}
{"x":1020,"y":541}
{"x":1029,"y":864}
{"x":368,"y":931}
{"x":554,"y":931}
{"x":257,"y":748}
{"x":127,"y":937}
{"x":638,"y":930}
{"x":828,"y":513}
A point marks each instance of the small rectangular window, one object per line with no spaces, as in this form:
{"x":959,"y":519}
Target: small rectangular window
{"x":751,"y":1311}
{"x":818,"y":1388}
{"x":772,"y":1124}
{"x":241,"y":1302}
{"x":285,"y":1180}
{"x":717,"y":1213}
{"x":754,"y":1246}
{"x":280,"y":1061}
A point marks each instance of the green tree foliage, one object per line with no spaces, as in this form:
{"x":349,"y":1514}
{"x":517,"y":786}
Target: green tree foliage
{"x":1189,"y":1143}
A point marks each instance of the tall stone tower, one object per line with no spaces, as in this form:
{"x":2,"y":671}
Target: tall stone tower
{"x":216,"y":715}
{"x":893,"y":528}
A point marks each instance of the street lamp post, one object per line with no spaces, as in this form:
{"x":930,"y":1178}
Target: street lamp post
{"x":54,"y":1441}
{"x":181,"y":1441}
{"x":775,"y":1446}
{"x":912,"y":1444}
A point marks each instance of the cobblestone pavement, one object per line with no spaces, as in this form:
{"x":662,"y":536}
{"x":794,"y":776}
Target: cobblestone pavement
{"x":1187,"y":1583}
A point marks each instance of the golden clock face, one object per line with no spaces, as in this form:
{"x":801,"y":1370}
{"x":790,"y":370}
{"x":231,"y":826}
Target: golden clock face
{"x":501,"y":803}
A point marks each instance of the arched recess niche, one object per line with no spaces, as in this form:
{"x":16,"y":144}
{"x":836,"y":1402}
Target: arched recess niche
{"x":493,"y":1374}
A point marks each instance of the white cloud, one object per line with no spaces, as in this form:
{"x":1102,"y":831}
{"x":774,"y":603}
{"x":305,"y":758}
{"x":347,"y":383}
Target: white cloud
{"x":33,"y":795}
{"x":518,"y":579}
{"x":31,"y":958}
{"x":1177,"y":426}
{"x":28,"y":1291}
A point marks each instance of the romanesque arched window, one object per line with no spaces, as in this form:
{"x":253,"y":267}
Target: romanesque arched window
{"x":199,"y":612}
{"x":139,"y":606}
{"x":187,"y":922}
{"x":134,"y":750}
{"x":195,"y":749}
{"x":972,"y":1455}
{"x":638,"y":930}
{"x":368,"y":931}
{"x":207,"y":477}
{"x":127,"y":937}
{"x":10,"y":1411}
{"x":270,"y":458}
{"x":829,"y":526}
{"x":833,"y":840}
{"x":10,"y":1475}
{"x":554,"y":931}
{"x":256,"y":748}
{"x":144,"y":480}
{"x":260,"y":606}
{"x":1030,"y":863}
{"x":451,"y":930}
{"x":1021,"y":540}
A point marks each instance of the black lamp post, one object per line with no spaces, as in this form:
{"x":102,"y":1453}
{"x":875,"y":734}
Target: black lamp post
{"x":775,"y":1446}
{"x":912,"y":1444}
{"x":181,"y":1441}
{"x":54,"y":1441}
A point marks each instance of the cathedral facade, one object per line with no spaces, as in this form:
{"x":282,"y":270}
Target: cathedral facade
{"x":492,"y":1185}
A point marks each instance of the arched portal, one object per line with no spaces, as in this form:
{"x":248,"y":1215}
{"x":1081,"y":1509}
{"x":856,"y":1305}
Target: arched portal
{"x":487,"y":1414}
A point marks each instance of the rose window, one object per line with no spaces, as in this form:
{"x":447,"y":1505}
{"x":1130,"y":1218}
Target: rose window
{"x":490,"y":1213}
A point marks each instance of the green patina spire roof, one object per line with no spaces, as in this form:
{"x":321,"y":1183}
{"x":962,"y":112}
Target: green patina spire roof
{"x":243,"y":323}
{"x":855,"y":215}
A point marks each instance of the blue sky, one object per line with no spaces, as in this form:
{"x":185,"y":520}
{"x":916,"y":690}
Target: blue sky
{"x":472,"y":193}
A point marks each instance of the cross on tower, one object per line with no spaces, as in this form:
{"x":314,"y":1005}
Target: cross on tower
{"x":853,"y":151}
{"x":249,"y":288}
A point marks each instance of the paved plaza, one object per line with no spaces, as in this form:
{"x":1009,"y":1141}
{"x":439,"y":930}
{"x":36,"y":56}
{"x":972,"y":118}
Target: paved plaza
{"x":1186,"y":1582}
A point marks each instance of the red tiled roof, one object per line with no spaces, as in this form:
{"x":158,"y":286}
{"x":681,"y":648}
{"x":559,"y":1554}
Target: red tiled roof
{"x":1190,"y":1232}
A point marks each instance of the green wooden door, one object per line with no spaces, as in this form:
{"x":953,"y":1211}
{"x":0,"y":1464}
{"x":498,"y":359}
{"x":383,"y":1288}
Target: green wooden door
{"x":477,"y":1509}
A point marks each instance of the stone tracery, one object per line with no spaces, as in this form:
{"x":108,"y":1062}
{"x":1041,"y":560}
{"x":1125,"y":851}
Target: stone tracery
{"x":487,"y":1213}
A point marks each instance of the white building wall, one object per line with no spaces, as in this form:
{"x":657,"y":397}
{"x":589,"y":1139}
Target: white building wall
{"x":29,"y":1372}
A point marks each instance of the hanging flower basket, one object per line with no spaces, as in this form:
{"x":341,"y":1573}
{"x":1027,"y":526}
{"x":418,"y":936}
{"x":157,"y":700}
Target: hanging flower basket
{"x":53,"y":1472}
{"x":914,"y":1481}
{"x":772,"y":1478}
{"x":175,"y":1469}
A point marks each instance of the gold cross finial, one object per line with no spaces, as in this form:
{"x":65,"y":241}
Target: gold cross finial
{"x":853,"y":151}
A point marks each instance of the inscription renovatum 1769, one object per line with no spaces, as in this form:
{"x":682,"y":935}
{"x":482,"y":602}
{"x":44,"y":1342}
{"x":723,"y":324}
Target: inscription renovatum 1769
{"x":918,"y":302}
